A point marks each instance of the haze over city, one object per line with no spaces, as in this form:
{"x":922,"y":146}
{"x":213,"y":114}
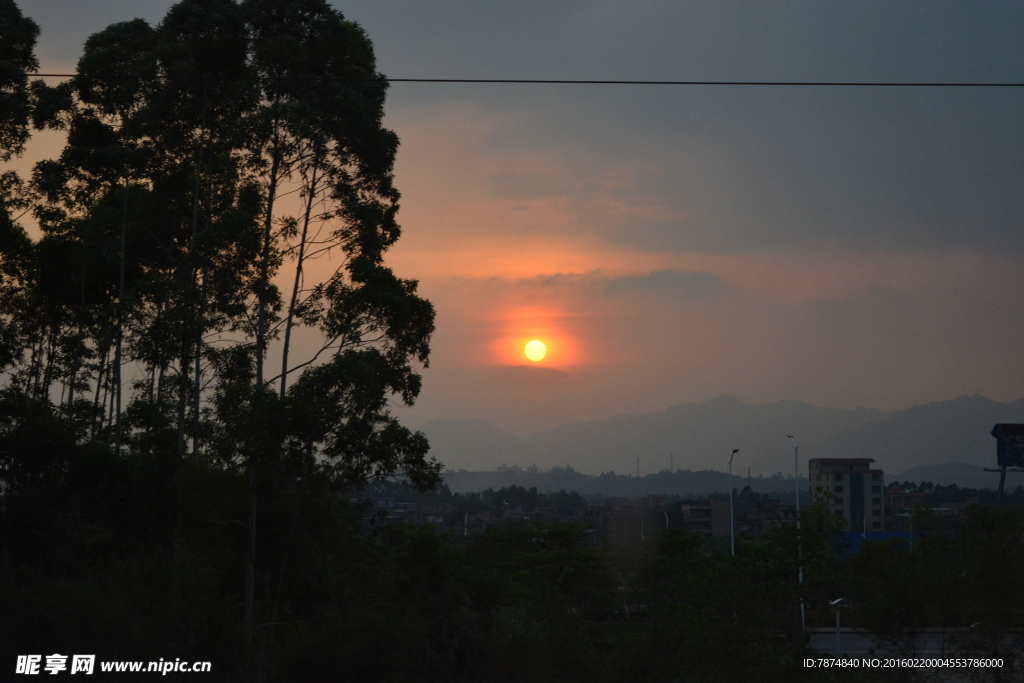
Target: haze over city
{"x":843,"y":246}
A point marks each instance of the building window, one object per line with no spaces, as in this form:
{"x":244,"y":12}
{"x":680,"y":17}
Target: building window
{"x":876,"y":489}
{"x":876,"y":477}
{"x":876,"y":525}
{"x":876,"y":513}
{"x":876,"y":501}
{"x":839,"y":476}
{"x":839,"y":489}
{"x":839,"y":500}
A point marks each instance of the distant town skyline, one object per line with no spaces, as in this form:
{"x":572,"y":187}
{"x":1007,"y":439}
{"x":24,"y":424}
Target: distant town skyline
{"x":848,"y":247}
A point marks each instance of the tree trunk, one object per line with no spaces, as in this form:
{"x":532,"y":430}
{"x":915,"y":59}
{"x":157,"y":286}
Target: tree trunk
{"x":184,"y":363}
{"x":250,"y":567}
{"x":120,"y":311}
{"x":99,"y":388}
{"x":262,"y":296}
{"x":263,"y":285}
{"x":198,"y":371}
{"x":298,"y":278}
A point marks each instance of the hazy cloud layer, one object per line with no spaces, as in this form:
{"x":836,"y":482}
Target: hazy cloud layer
{"x":668,"y":281}
{"x":705,"y":169}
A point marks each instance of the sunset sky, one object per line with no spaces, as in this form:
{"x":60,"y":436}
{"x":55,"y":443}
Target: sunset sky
{"x":848,"y":247}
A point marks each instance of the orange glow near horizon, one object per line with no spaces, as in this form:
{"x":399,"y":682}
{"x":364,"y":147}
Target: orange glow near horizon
{"x":520,"y":327}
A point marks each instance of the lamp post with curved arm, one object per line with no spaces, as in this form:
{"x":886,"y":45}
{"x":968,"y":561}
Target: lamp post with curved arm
{"x":799,"y":550}
{"x":732,"y":535}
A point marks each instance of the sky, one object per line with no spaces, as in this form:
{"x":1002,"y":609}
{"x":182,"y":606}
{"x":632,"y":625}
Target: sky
{"x":847,"y":247}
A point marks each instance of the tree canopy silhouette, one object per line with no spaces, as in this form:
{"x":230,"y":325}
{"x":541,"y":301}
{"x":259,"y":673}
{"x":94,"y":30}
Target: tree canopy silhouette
{"x":207,"y":287}
{"x":222,"y":191}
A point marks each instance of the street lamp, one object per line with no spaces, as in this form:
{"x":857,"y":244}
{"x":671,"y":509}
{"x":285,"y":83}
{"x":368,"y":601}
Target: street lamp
{"x":799,"y":550}
{"x":732,"y":535}
{"x":837,"y":604}
{"x":796,"y":476}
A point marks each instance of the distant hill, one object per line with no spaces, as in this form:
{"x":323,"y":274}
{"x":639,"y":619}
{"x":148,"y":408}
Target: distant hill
{"x":472,"y":444}
{"x":959,"y":473}
{"x":701,"y":436}
{"x":955,"y":431}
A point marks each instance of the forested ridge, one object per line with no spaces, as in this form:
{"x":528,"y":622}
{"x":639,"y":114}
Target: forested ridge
{"x":180,"y":477}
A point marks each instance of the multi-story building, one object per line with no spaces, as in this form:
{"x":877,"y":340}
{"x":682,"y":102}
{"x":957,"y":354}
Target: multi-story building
{"x":851,"y":488}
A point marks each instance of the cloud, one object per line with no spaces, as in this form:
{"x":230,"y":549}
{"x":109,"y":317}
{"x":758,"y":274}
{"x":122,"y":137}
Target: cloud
{"x":683,"y":169}
{"x":668,"y":281}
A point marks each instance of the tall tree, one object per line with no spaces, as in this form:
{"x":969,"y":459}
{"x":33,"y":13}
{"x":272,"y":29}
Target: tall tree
{"x":17,"y":41}
{"x":318,"y":134}
{"x":232,"y":147}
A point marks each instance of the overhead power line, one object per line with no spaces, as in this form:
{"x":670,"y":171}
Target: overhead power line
{"x":766,"y":83}
{"x":540,"y":81}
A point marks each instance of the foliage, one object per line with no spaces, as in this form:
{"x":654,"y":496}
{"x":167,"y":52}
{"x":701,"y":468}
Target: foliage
{"x":967,"y":586}
{"x":206,"y":159}
{"x":17,"y":40}
{"x":165,"y":228}
{"x":943,"y":494}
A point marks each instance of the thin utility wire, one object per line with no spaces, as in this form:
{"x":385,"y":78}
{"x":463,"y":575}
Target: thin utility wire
{"x":813,"y":84}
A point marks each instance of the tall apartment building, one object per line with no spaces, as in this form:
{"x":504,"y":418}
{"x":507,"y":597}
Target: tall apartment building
{"x":851,"y":488}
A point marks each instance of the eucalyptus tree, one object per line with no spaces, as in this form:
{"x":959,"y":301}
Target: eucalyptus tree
{"x":208,"y":238}
{"x":17,"y":41}
{"x":318,"y":133}
{"x":41,"y":333}
{"x":95,"y":205}
{"x":226,"y":186}
{"x":151,"y":165}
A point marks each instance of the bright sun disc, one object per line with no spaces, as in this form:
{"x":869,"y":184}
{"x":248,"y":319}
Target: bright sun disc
{"x":535,"y":350}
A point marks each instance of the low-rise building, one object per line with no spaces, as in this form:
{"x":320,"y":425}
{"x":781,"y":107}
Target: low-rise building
{"x":696,"y":516}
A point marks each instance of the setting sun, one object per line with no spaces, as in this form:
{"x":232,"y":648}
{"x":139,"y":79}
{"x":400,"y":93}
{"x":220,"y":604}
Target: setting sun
{"x":536,"y":336}
{"x":535,"y":350}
